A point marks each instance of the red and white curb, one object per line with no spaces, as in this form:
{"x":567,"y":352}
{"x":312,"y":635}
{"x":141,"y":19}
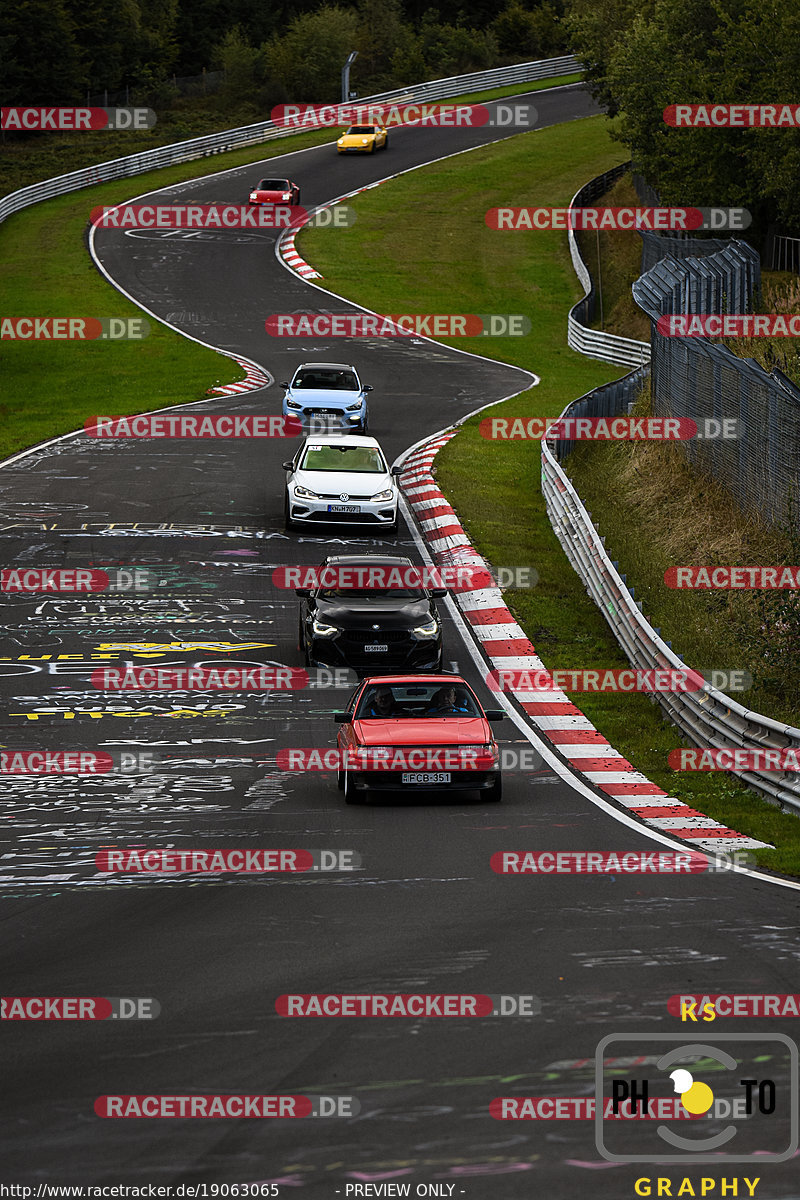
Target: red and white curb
{"x":255,"y":378}
{"x":555,"y":716}
{"x":293,"y":259}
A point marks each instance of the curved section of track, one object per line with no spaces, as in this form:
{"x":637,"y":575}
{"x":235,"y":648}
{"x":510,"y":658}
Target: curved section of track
{"x":425,"y":913}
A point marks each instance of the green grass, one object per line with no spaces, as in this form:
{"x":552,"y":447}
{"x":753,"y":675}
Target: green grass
{"x":50,"y":388}
{"x":425,"y":238}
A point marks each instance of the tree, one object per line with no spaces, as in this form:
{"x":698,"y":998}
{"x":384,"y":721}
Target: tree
{"x":523,"y":32}
{"x":307,"y":60}
{"x":41,"y":60}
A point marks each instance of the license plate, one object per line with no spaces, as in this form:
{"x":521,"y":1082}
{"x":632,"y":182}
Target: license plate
{"x":382,"y":646}
{"x":426,"y":777}
{"x":344,"y":508}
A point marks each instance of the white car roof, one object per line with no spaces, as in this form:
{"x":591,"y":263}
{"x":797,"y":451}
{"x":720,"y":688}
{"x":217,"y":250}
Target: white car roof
{"x":342,"y":439}
{"x":310,"y":366}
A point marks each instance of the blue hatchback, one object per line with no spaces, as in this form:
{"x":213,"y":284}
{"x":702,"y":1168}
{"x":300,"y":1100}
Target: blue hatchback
{"x":327,"y":398}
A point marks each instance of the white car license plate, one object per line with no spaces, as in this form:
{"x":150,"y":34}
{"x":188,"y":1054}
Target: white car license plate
{"x":426,"y":777}
{"x":383,"y":646}
{"x":344,"y":508}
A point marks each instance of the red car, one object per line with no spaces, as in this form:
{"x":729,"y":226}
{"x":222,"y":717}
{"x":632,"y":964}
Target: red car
{"x":275,"y":191}
{"x":406,"y":734}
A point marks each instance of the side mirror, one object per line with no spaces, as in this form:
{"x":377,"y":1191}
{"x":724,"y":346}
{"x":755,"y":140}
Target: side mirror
{"x":397,"y":471}
{"x":494,"y":714}
{"x":283,"y":384}
{"x":368,"y":388}
{"x":341,"y":718}
{"x":287,"y":466}
{"x":438,"y":592}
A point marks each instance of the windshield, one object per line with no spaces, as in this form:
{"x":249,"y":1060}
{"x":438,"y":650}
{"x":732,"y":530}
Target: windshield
{"x":336,"y":381}
{"x":371,"y":594}
{"x":362,"y":460}
{"x":381,"y":700}
{"x":361,"y":129}
{"x":274,"y":185}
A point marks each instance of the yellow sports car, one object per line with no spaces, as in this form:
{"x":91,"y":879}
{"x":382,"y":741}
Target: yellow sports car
{"x":363,"y":139}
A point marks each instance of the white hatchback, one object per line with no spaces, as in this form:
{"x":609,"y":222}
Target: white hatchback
{"x":334,"y":480}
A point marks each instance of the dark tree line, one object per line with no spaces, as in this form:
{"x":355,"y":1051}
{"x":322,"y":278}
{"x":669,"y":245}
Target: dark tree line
{"x":58,"y":51}
{"x":644,"y":55}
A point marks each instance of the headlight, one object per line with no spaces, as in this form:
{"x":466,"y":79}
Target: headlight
{"x":429,"y":629}
{"x":385,"y":495}
{"x":301,"y":491}
{"x":353,"y":407}
{"x":365,"y":141}
{"x":254,"y":195}
{"x":486,"y":753}
{"x":286,"y":196}
{"x":341,"y":140}
{"x":292,"y":403}
{"x":323,"y":629}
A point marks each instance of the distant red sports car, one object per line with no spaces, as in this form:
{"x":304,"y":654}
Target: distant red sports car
{"x":275,"y":191}
{"x":407,"y":734}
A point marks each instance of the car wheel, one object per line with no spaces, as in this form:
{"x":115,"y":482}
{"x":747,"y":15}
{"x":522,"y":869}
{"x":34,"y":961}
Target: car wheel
{"x":495,"y":793}
{"x":340,"y":780}
{"x":393,"y":528}
{"x":372,"y":147}
{"x":365,"y":425}
{"x":297,"y":201}
{"x":351,"y":796}
{"x":386,"y":143}
{"x":288,"y":523}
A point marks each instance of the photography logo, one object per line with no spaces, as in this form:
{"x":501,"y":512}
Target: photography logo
{"x":697,"y":1102}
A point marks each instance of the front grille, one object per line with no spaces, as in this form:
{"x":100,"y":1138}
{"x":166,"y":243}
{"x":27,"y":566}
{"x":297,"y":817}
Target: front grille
{"x":360,"y":636}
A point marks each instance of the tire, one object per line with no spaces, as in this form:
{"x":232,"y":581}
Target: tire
{"x":288,"y":523}
{"x":365,"y":426}
{"x":340,"y":780}
{"x":351,"y":796}
{"x":301,"y":646}
{"x":297,"y":201}
{"x":386,"y":143}
{"x":393,"y":529}
{"x":372,"y":148}
{"x":495,"y":793}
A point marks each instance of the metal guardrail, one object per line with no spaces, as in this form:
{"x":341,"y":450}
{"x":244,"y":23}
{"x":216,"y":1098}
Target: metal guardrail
{"x":608,"y":347}
{"x":707,"y":717}
{"x":265,"y":131}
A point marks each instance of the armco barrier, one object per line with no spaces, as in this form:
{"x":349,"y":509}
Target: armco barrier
{"x":707,"y":717}
{"x":265,"y":131}
{"x":608,"y":347}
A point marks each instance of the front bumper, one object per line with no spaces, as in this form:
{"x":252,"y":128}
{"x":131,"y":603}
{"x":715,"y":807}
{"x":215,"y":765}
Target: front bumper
{"x":321,"y":421}
{"x":317,"y":512}
{"x":404,"y":653}
{"x":389,"y":782}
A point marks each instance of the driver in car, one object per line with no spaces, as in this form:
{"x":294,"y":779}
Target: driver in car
{"x":448,"y":700}
{"x":382,"y":704}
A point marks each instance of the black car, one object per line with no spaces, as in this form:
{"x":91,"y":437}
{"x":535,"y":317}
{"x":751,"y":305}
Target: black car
{"x":369,"y":629}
